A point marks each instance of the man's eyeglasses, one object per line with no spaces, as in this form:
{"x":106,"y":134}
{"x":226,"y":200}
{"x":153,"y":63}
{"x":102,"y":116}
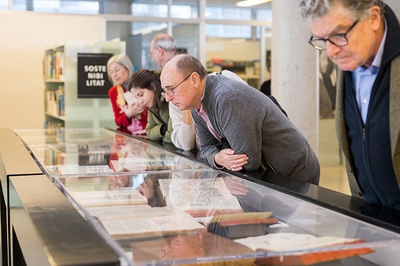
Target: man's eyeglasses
{"x":170,"y":91}
{"x":339,"y":40}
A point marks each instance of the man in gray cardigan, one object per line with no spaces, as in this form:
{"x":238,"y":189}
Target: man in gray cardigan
{"x":238,"y":126}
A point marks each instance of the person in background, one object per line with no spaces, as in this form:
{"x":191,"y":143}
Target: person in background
{"x":327,"y":87}
{"x":119,"y":68}
{"x":266,"y":86}
{"x":363,"y":39}
{"x":162,"y":48}
{"x":145,"y":85}
{"x":238,"y":126}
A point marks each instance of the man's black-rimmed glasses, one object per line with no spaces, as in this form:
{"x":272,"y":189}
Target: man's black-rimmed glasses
{"x":170,"y":91}
{"x":339,"y":40}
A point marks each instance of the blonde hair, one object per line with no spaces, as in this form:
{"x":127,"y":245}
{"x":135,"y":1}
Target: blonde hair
{"x":121,"y":59}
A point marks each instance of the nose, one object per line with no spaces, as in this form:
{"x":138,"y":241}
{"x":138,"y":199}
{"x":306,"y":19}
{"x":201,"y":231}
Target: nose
{"x":168,"y":98}
{"x":332,"y":50}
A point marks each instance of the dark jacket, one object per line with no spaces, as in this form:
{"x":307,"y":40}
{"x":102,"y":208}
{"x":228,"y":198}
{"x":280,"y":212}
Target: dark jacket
{"x":372,"y":151}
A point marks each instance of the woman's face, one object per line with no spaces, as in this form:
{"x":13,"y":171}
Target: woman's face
{"x":145,"y":96}
{"x":147,"y":188}
{"x":119,"y":74}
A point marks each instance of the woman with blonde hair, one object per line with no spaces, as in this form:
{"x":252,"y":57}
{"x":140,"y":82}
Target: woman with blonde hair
{"x":120,"y":69}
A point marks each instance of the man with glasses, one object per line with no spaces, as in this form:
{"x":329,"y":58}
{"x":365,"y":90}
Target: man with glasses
{"x":162,"y":48}
{"x":238,"y":126}
{"x":363,"y":39}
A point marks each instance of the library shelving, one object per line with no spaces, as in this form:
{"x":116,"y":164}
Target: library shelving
{"x":63,"y":108}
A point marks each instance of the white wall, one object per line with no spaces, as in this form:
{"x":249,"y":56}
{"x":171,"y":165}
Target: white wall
{"x":232,"y":49}
{"x":23,"y":38}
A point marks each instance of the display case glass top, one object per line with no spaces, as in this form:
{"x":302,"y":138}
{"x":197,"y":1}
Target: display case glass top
{"x":155,"y":206}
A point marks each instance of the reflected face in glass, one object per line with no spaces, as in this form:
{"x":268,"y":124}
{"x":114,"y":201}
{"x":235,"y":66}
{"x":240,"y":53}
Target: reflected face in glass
{"x":144,"y":95}
{"x":118,"y":182}
{"x":183,"y":247}
{"x":147,"y":188}
{"x":119,"y":74}
{"x":132,"y":149}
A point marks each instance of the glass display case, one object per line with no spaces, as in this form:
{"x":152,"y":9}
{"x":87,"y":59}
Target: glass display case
{"x":154,"y":206}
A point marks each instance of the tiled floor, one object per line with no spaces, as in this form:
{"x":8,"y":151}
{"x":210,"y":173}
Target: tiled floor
{"x":333,"y":173}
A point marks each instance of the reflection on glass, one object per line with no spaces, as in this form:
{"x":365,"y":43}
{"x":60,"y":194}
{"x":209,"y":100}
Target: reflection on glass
{"x":123,"y":205}
{"x":183,"y":247}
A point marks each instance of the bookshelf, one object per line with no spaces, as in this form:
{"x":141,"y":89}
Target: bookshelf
{"x":249,"y":71}
{"x":62,"y":107}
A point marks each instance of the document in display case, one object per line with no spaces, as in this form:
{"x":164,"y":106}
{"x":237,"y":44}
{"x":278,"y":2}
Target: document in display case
{"x":165,"y":208}
{"x":203,"y":196}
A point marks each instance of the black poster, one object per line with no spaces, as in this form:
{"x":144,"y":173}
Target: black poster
{"x":93,"y":80}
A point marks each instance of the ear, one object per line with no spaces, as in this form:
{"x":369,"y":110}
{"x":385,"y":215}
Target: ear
{"x":160,"y":50}
{"x":195,"y":79}
{"x":376,"y":17}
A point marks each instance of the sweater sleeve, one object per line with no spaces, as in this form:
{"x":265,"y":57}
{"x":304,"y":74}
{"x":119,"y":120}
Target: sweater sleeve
{"x":209,"y":145}
{"x":120,"y":118}
{"x":153,"y":127}
{"x":183,"y":136}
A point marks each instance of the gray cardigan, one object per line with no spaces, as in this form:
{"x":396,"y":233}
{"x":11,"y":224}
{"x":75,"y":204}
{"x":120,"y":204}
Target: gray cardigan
{"x":251,"y":124}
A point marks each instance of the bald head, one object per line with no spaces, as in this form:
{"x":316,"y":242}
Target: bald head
{"x":185,"y":64}
{"x":183,"y":80}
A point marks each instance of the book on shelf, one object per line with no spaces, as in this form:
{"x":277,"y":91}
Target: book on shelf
{"x":199,"y":197}
{"x":61,"y":101}
{"x":53,"y":66}
{"x":304,"y":249}
{"x":55,"y":102}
